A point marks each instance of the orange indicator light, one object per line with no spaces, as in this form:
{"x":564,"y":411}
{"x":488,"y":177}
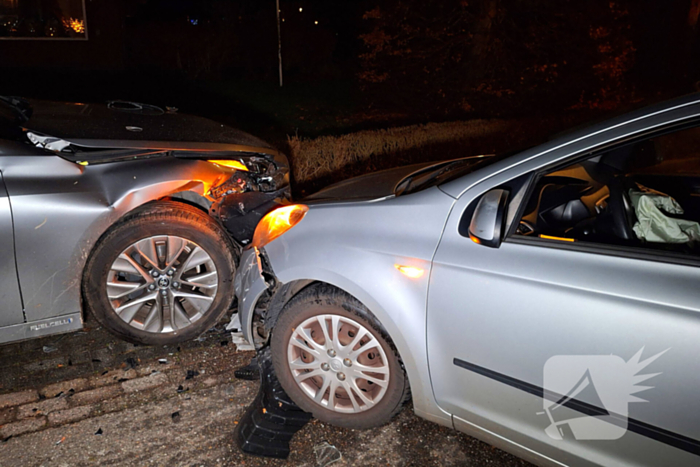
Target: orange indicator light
{"x":231,"y":163}
{"x":277,"y":222}
{"x":410,"y":271}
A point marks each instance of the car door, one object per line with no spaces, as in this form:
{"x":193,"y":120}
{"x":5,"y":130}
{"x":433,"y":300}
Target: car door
{"x":509,"y":326}
{"x":10,"y":300}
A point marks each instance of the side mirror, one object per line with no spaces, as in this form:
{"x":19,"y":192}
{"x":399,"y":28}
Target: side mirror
{"x":486,"y":227}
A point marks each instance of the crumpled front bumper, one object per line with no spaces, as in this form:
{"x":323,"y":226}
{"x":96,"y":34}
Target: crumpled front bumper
{"x":249,"y":285}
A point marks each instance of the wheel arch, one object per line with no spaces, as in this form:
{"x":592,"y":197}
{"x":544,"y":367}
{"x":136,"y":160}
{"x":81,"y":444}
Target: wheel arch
{"x":191,"y":198}
{"x":413,"y":358}
{"x":177,"y":198}
{"x":155,"y":215}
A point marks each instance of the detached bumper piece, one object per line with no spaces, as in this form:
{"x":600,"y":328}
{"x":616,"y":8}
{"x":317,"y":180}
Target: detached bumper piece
{"x":272,"y":419}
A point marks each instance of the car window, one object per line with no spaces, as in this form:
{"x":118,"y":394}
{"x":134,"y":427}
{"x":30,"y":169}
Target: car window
{"x":645,"y":194}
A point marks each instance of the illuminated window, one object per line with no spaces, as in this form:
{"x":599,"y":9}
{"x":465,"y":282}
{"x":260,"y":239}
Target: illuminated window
{"x":59,"y":19}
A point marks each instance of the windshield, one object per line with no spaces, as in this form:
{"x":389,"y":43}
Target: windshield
{"x":442,"y":173}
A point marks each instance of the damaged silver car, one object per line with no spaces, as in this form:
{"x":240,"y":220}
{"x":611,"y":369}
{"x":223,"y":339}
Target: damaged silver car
{"x":133,"y":212}
{"x":532,"y":301}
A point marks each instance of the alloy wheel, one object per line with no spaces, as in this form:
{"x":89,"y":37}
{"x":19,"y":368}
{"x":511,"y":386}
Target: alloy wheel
{"x":162,"y":284}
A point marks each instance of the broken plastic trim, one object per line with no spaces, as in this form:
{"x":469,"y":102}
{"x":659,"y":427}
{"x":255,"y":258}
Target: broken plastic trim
{"x":47,"y":142}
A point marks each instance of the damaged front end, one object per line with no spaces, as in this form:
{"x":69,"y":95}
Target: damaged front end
{"x":261,"y":298}
{"x":243,"y":200}
{"x":251,"y":182}
{"x":254,"y":285}
{"x":248,"y":179}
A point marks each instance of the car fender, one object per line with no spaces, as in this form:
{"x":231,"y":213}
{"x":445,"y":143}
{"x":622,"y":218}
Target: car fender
{"x":331,"y":246}
{"x":60,"y":214}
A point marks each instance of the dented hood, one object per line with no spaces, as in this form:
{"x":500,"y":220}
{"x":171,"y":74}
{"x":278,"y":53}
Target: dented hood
{"x":130,"y":124}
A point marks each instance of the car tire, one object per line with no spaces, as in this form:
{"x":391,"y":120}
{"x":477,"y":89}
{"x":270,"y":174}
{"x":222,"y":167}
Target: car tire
{"x":183,"y":295}
{"x":375,"y":403}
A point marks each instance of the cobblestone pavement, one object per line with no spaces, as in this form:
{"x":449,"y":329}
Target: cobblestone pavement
{"x":88,"y":398}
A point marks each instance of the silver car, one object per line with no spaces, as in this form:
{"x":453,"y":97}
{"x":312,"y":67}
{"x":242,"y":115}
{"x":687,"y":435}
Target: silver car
{"x":532,"y":301}
{"x":133,"y":212}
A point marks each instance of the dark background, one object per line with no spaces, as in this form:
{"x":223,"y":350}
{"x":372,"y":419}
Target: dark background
{"x":368,"y":63}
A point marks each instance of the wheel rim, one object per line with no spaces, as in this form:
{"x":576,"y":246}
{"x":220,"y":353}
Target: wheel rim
{"x":338,"y":363}
{"x":162,"y":284}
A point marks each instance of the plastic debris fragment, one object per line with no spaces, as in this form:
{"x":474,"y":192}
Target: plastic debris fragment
{"x":326,"y":454}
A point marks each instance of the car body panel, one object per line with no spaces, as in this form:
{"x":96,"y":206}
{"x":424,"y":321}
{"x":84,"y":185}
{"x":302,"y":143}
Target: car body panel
{"x":509,"y":309}
{"x":559,"y":303}
{"x":43,"y":327}
{"x":371,"y":186}
{"x":60,"y":218}
{"x":9,"y":285}
{"x":602,"y":305}
{"x":116,"y":121}
{"x":332,"y":247}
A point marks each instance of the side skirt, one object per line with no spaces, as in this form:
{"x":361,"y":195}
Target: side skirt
{"x":44,"y":327}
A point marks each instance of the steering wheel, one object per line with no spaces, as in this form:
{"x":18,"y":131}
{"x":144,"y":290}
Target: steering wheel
{"x":621,"y":209}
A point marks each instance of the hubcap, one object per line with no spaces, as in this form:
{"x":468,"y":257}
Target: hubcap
{"x":162,"y":284}
{"x":338,"y":363}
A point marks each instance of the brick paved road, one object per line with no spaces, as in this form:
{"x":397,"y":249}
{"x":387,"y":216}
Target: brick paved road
{"x":87,"y":398}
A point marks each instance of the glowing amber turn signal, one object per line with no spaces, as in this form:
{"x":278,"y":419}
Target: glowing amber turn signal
{"x":410,"y":271}
{"x":277,"y":222}
{"x":232,"y":164}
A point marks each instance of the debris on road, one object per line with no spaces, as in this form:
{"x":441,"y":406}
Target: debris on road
{"x":176,"y":417}
{"x":237,"y":338}
{"x":191,"y":374}
{"x":50,"y":348}
{"x":326,"y":454}
{"x":138,"y":413}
